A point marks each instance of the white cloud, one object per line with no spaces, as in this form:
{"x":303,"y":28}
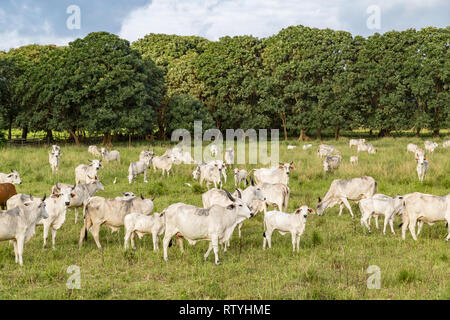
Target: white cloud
{"x":13,"y":39}
{"x":214,"y":19}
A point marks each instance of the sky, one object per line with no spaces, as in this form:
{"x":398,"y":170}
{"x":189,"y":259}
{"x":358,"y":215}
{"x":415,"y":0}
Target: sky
{"x":49,"y":21}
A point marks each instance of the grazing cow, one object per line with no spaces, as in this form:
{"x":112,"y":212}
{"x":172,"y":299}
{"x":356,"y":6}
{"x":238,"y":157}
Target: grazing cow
{"x":211,"y":174}
{"x":56,"y":206}
{"x":214,"y":150}
{"x":446,"y":144}
{"x":239,"y":176}
{"x":112,"y":155}
{"x":422,"y":167}
{"x":294,"y":223}
{"x":81,"y":194}
{"x":430,"y":146}
{"x":380,"y":204}
{"x":12,"y":177}
{"x":127,"y":195}
{"x":371,"y":149}
{"x":220,"y":197}
{"x":425,"y":208}
{"x":142,"y":224}
{"x":7,"y":190}
{"x":222,"y":165}
{"x":215,"y":224}
{"x":362,"y":147}
{"x":289,"y":147}
{"x":331,"y":163}
{"x":343,"y":190}
{"x":111,"y":212}
{"x":354,"y":160}
{"x":356,"y":142}
{"x":411,"y":147}
{"x":53,"y":159}
{"x":307,"y":146}
{"x":229,"y":156}
{"x":278,"y":174}
{"x":94,"y":151}
{"x":326,"y":150}
{"x":87,"y":173}
{"x":137,"y":168}
{"x":179,"y":156}
{"x":19,"y":224}
{"x":163,"y":163}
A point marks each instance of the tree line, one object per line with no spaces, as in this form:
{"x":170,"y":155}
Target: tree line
{"x":302,"y":80}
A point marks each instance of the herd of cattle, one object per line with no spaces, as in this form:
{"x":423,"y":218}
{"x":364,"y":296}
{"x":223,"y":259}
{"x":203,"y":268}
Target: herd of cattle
{"x":222,"y":211}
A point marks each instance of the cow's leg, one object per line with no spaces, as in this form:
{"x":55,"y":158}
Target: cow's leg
{"x":76,"y":215}
{"x":95,"y":231}
{"x":376,"y":221}
{"x":54,"y":238}
{"x":347,"y":204}
{"x":405,"y":225}
{"x":208,"y":251}
{"x":145,"y":176}
{"x":364,"y":219}
{"x":280,"y":206}
{"x":341,"y":207}
{"x":126,"y":239}
{"x":133,"y":244}
{"x":391,"y":223}
{"x":180,"y":244}
{"x":215,"y":245}
{"x":20,"y":244}
{"x":294,"y":238}
{"x":267,"y":238}
{"x":155,"y":241}
{"x":83,"y":231}
{"x":412,"y":228}
{"x":167,"y":236}
{"x":16,"y":253}
{"x":46,"y":229}
{"x":448,"y":230}
{"x":239,"y":229}
{"x":298,"y":243}
{"x":386,"y":219}
{"x":419,"y":227}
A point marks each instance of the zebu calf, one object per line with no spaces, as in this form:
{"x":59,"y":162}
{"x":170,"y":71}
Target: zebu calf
{"x":422,"y":167}
{"x":53,"y":159}
{"x":142,"y":224}
{"x":380,"y":204}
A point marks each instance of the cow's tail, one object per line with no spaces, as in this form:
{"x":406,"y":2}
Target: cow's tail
{"x":265,"y":225}
{"x":375,"y":187}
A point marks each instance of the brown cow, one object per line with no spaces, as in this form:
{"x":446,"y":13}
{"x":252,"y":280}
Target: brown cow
{"x":7,"y":190}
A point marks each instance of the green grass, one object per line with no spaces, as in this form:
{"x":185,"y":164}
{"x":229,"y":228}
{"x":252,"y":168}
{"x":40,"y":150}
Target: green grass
{"x":333,"y":259}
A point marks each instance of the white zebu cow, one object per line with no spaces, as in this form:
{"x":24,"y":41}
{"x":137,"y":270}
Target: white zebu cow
{"x":419,"y":153}
{"x":163,"y":163}
{"x":289,"y":147}
{"x":87,"y":173}
{"x":56,"y":150}
{"x":229,"y":156}
{"x":354,"y":160}
{"x":53,"y":159}
{"x":411,"y":147}
{"x":430,"y":146}
{"x":220,"y":197}
{"x":422,"y":167}
{"x":446,"y":144}
{"x":424,"y":208}
{"x":94,"y":151}
{"x":326,"y":150}
{"x":239,"y":176}
{"x":12,"y":177}
{"x":380,"y":204}
{"x":143,"y":224}
{"x":211,"y":174}
{"x":112,"y":155}
{"x":343,"y":190}
{"x":18,"y":224}
{"x":146,"y":154}
{"x":140,"y":166}
{"x":356,"y":142}
{"x":331,"y":163}
{"x":362,"y":147}
{"x":294,"y":224}
{"x":273,"y":175}
{"x":215,"y":224}
{"x":81,"y":194}
{"x":307,"y":146}
{"x":371,"y":149}
{"x":276,"y":194}
{"x":111,"y":212}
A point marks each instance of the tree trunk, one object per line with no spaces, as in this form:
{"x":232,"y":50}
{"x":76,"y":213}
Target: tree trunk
{"x":436,"y":132}
{"x":283,"y":121}
{"x":418,"y":131}
{"x":75,"y":137}
{"x":107,"y":140}
{"x":384,"y":133}
{"x":319,"y":134}
{"x":303,"y":136}
{"x":336,"y":133}
{"x":10,"y":129}
{"x":49,"y":136}
{"x":25,"y":133}
{"x":370,"y":133}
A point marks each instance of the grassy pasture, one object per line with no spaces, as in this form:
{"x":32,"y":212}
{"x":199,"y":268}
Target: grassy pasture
{"x":332,"y":264}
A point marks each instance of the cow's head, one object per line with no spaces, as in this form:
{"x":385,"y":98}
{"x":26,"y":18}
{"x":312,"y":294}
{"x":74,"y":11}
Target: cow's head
{"x":42,"y":211}
{"x":287,"y":167}
{"x":196,"y":173}
{"x":128,"y":194}
{"x":13,"y":177}
{"x":303,"y":212}
{"x":321,"y":206}
{"x":97,"y":164}
{"x":240,"y":206}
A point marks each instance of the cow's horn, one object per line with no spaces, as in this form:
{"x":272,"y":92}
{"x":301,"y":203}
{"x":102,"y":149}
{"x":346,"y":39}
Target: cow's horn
{"x":142,"y":197}
{"x":229,"y":196}
{"x":239,"y":193}
{"x":252,"y":181}
{"x":45,"y":196}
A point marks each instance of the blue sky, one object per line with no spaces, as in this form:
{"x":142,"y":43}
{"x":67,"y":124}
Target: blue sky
{"x":27,"y":21}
